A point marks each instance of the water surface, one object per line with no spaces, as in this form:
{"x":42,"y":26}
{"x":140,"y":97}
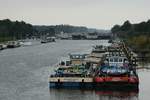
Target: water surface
{"x":24,"y":73}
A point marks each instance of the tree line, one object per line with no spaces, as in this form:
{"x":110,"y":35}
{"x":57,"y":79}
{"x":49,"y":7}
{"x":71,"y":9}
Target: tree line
{"x":60,"y":28}
{"x":128,"y":29}
{"x":15,"y":30}
{"x":137,"y":36}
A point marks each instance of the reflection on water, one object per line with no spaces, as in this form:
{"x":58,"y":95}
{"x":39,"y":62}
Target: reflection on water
{"x":117,"y":95}
{"x":66,"y":94}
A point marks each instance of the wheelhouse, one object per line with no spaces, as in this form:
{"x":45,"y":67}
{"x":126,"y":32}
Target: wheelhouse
{"x":116,"y":59}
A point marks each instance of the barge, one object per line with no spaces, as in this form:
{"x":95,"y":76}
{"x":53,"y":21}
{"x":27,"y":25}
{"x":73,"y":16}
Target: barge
{"x":101,"y":69}
{"x":71,"y":77}
{"x":71,"y":82}
{"x":13,"y":44}
{"x":116,"y":72}
{"x":72,"y":73}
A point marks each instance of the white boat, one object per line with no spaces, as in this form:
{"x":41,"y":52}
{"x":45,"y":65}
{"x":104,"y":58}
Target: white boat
{"x":26,"y":43}
{"x":48,"y":39}
{"x":13,"y":44}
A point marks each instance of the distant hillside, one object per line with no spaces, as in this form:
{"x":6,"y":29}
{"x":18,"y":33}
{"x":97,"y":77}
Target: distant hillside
{"x":10,"y":30}
{"x":56,"y":29}
{"x":60,"y":28}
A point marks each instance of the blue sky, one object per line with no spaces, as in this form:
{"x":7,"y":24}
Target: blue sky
{"x":102,"y":14}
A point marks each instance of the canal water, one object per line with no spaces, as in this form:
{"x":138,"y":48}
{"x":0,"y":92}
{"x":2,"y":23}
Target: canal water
{"x":24,"y":73}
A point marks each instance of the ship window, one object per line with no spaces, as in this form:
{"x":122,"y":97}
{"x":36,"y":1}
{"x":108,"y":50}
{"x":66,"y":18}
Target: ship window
{"x":115,"y":59}
{"x":81,"y":57}
{"x":77,"y":56}
{"x":107,"y":60}
{"x":120,"y":60}
{"x":117,"y":54}
{"x":67,"y":63}
{"x":111,"y":60}
{"x":72,"y":56}
{"x":125,"y":60}
{"x":112,"y":54}
{"x":62,"y":63}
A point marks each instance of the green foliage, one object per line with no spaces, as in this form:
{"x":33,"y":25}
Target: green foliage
{"x":128,"y":29}
{"x":14,"y":30}
{"x":2,"y":39}
{"x":137,"y":36}
{"x":116,"y":28}
{"x":139,"y":42}
{"x":126,"y":26}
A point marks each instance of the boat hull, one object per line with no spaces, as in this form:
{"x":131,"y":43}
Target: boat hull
{"x":96,"y":83}
{"x":70,"y":82}
{"x":117,"y":86}
{"x":71,"y":85}
{"x":13,"y":46}
{"x":95,"y":86}
{"x":117,"y":83}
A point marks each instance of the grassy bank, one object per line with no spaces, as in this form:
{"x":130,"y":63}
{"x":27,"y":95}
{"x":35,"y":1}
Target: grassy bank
{"x":140,"y":42}
{"x":141,"y":45}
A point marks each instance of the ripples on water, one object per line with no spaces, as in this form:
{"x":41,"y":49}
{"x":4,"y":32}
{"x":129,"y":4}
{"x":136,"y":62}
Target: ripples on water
{"x":24,"y":74}
{"x":62,"y":94}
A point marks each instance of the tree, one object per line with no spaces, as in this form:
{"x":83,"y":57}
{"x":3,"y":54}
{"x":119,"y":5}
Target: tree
{"x":127,"y":26}
{"x":14,"y":29}
{"x":115,"y":29}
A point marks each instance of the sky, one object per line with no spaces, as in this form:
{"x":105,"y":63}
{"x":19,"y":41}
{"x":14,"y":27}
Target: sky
{"x":101,"y":14}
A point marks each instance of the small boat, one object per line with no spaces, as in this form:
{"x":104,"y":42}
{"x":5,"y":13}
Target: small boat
{"x":99,"y":49}
{"x":13,"y":44}
{"x":25,"y":42}
{"x":48,"y":39}
{"x":3,"y":46}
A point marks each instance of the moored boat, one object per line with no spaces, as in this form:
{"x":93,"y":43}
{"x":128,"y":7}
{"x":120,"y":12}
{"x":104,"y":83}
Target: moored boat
{"x":111,"y":69}
{"x":48,"y":39}
{"x":72,"y":73}
{"x":13,"y":44}
{"x":99,"y":49}
{"x":116,"y":72}
{"x":71,"y":77}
